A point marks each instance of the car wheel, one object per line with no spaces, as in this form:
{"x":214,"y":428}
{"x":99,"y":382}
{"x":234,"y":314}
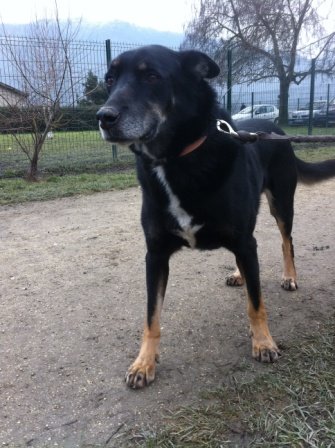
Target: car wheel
{"x":276,"y":120}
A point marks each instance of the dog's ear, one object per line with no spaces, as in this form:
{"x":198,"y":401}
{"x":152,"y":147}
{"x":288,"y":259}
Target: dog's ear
{"x":199,"y":63}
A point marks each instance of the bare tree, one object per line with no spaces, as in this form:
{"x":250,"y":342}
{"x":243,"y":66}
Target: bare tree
{"x":44,"y":73}
{"x":266,"y":37}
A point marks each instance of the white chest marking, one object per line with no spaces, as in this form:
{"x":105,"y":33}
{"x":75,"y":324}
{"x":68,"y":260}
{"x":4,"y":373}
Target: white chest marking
{"x":184,"y":220}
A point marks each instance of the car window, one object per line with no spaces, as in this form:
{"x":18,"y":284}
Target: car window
{"x":246,"y":110}
{"x":324,"y":108}
{"x":317,"y":105}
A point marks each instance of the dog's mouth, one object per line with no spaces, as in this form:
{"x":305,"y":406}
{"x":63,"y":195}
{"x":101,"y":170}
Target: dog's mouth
{"x":114,"y":134}
{"x":108,"y":134}
{"x":137,"y":145}
{"x":130,"y":125}
{"x":149,"y":135}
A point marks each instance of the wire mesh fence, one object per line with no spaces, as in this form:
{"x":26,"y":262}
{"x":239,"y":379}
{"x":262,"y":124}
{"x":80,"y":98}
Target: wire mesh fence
{"x":74,"y":143}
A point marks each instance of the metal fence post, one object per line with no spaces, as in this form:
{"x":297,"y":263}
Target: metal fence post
{"x":328,"y":99}
{"x":311,"y":98}
{"x":229,"y":79}
{"x":252,"y":104}
{"x":108,"y":52}
{"x":108,"y":61}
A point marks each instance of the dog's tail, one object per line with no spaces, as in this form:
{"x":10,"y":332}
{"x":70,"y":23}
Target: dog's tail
{"x":310,"y":173}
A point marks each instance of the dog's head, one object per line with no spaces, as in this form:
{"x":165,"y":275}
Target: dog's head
{"x":147,"y":88}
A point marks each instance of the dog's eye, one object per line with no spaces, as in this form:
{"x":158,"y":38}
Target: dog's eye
{"x":152,"y":77}
{"x":110,"y":81}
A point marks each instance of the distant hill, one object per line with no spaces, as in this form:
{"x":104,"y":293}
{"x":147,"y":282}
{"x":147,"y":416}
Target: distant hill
{"x":116,"y":31}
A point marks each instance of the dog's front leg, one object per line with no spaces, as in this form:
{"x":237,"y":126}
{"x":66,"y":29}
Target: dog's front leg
{"x":264,"y":348}
{"x":142,"y":372}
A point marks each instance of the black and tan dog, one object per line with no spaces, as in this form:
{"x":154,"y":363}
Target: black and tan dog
{"x":201,"y":188}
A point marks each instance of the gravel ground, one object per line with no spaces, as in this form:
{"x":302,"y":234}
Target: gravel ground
{"x":72,"y":311}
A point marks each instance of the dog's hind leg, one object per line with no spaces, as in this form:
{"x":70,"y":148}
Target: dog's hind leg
{"x":142,"y":372}
{"x":289,"y":278}
{"x":264,"y":348}
{"x":282,"y":210}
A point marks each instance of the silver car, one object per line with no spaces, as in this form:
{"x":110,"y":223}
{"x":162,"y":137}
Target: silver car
{"x":264,"y":111}
{"x":301,"y":116}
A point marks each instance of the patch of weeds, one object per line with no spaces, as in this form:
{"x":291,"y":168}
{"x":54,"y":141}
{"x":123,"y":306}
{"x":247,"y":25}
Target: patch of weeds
{"x":314,"y":152}
{"x":292,"y":405}
{"x":19,"y":190}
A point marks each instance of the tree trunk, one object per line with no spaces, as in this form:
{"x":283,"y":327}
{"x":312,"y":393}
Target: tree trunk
{"x":284,"y":87}
{"x":33,"y":169}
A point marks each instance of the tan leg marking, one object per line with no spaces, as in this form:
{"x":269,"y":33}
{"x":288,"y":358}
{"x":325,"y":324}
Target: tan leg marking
{"x":289,"y":279}
{"x":142,"y":372}
{"x":235,"y":279}
{"x":264,"y":348}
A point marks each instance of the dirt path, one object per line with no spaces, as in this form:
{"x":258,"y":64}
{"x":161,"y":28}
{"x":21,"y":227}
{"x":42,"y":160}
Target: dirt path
{"x":73,"y":302}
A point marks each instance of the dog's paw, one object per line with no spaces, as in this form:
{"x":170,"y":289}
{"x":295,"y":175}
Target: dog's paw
{"x":289,"y":284}
{"x":140,"y":374}
{"x":234,"y":280}
{"x":267,"y":351}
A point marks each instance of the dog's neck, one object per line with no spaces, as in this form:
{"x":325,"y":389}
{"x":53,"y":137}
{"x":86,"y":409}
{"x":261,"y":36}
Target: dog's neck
{"x":192,"y":146}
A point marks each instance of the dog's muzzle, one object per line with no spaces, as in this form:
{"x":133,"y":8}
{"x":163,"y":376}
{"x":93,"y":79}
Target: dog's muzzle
{"x":108,"y":117}
{"x":109,"y":123}
{"x":122,"y":124}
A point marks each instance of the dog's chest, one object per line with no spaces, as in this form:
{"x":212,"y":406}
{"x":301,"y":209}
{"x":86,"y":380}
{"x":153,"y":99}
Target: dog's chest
{"x":186,"y":228}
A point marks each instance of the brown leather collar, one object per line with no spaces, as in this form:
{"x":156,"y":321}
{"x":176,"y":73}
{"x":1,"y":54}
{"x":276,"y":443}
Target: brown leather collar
{"x":193,"y":146}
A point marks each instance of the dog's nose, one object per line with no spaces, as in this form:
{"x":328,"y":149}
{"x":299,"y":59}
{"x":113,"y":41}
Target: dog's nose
{"x":108,"y":115}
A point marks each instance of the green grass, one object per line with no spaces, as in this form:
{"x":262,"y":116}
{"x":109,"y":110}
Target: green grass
{"x":314,"y":152}
{"x":86,"y":168}
{"x":303,"y":130}
{"x":84,"y":151}
{"x":71,"y":163}
{"x":18,"y":190}
{"x":292,"y":405}
{"x":66,"y":153}
{"x":63,"y":141}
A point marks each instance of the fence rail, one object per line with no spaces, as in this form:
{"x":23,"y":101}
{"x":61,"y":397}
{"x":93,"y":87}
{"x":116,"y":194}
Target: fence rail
{"x":75,"y":144}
